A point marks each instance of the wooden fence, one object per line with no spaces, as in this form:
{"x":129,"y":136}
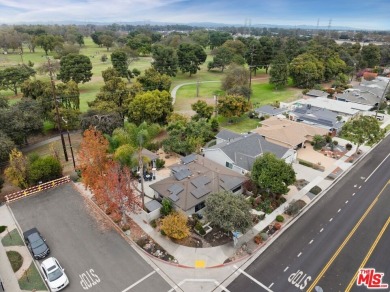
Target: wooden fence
{"x":35,"y":189}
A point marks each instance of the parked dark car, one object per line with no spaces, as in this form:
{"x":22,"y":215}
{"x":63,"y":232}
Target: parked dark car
{"x":36,"y":244}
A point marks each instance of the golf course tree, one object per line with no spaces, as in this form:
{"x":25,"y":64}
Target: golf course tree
{"x":306,"y":70}
{"x":6,"y":145}
{"x":232,"y":106}
{"x":190,"y":57}
{"x":113,"y":96}
{"x":152,"y":80}
{"x":11,"y":78}
{"x":222,"y":58}
{"x":229,"y":211}
{"x":279,"y":71}
{"x":165,"y":60}
{"x":236,"y":81}
{"x":272,"y":174}
{"x":363,"y":130}
{"x":105,"y":122}
{"x":75,"y":67}
{"x":202,"y":109}
{"x":121,"y":60}
{"x":218,"y":38}
{"x":151,"y":107}
{"x":49,"y":42}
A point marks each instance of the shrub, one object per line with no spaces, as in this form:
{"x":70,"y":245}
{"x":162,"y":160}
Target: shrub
{"x":15,"y":259}
{"x":279,"y":218}
{"x":348,"y":146}
{"x":328,"y":139}
{"x":294,"y":207}
{"x":264,"y":236}
{"x":258,"y":239}
{"x":103,"y":58}
{"x":44,"y":169}
{"x":335,"y":142}
{"x":163,"y":232}
{"x":166,"y":207}
{"x":277,"y":225}
{"x":153,"y":223}
{"x":160,"y":163}
{"x":315,"y":190}
{"x":126,"y":227}
{"x":116,"y":217}
{"x":199,"y":228}
{"x":175,"y":225}
{"x":2,"y":228}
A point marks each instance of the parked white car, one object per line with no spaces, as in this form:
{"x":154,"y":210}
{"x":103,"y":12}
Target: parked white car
{"x":54,"y":274}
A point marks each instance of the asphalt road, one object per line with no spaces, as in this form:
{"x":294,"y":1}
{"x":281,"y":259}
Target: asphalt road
{"x":81,"y":242}
{"x":327,"y":234}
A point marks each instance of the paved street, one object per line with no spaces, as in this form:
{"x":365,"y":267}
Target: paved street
{"x":295,"y":260}
{"x":85,"y":246}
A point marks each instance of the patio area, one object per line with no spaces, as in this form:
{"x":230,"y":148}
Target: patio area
{"x":316,"y":157}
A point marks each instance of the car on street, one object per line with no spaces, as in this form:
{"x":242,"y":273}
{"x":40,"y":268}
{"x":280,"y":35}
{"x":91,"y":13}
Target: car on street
{"x":54,"y":274}
{"x":36,"y":243}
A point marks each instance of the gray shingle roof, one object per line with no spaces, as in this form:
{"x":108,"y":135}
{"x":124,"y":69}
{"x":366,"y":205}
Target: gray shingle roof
{"x":317,"y":93}
{"x":245,"y":150}
{"x":226,"y":135}
{"x":316,"y":115}
{"x":270,"y":110}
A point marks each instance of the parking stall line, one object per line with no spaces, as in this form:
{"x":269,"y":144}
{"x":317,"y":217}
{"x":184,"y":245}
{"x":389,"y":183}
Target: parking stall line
{"x":253,"y":279}
{"x":140,"y":280}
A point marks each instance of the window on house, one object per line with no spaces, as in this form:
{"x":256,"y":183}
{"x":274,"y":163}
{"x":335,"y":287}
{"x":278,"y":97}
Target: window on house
{"x":228,"y":164}
{"x":200,"y":206}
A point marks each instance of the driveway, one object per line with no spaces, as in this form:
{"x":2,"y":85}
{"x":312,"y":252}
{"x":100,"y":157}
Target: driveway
{"x":95,"y":257}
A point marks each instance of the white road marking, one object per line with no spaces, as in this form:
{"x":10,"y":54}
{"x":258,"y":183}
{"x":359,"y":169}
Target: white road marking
{"x":377,"y":168}
{"x":271,"y":285}
{"x":330,"y":220}
{"x":346,"y":202}
{"x":353,"y":194}
{"x":199,"y":280}
{"x":140,"y":280}
{"x":360,"y":187}
{"x":285,"y":269}
{"x":322,"y":229}
{"x":339,"y":211}
{"x":299,"y":255}
{"x":311,"y":241}
{"x":253,"y":279}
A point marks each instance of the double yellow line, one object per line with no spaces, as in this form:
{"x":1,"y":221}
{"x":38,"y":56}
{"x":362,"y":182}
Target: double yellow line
{"x":326,"y":267}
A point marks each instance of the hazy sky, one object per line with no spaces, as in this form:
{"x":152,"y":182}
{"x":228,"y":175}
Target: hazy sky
{"x":366,"y":14}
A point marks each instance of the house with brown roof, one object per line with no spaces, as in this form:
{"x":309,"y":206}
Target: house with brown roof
{"x":193,"y":180}
{"x":288,"y":133}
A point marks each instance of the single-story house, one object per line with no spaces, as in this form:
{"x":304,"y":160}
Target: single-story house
{"x":240,"y":153}
{"x":317,"y":93}
{"x":361,"y":95}
{"x":345,"y":109}
{"x":193,"y":180}
{"x":269,"y":110}
{"x":317,"y":116}
{"x":288,"y":133}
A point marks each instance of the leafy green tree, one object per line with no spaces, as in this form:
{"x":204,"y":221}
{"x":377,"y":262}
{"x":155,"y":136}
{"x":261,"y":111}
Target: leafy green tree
{"x":237,"y":47}
{"x":319,"y":142}
{"x":190,"y":57}
{"x":34,"y":89}
{"x":371,"y":54}
{"x":121,"y":61}
{"x":363,"y":129}
{"x":232,"y":106}
{"x":223,"y":57}
{"x":166,"y":207}
{"x":107,"y":41}
{"x":69,"y":94}
{"x":153,"y":80}
{"x":152,"y":107}
{"x":175,"y":225}
{"x":306,"y":70}
{"x":141,"y":43}
{"x":13,"y":77}
{"x":105,"y":122}
{"x":44,"y":169}
{"x":228,"y":211}
{"x":75,"y":67}
{"x":165,"y":60}
{"x":272,"y":174}
{"x":6,"y":145}
{"x":48,"y":42}
{"x":334,"y":66}
{"x":279,"y":71}
{"x":202,"y":109}
{"x":201,"y":37}
{"x":218,"y":38}
{"x":236,"y":81}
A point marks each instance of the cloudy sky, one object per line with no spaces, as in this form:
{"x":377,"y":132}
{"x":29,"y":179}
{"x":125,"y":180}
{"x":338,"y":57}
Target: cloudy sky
{"x":366,"y":14}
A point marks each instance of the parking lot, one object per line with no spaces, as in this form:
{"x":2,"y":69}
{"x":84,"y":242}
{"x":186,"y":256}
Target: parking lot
{"x":95,"y":257}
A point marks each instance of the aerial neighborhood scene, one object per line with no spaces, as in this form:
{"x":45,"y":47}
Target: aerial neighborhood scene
{"x":194,"y":145}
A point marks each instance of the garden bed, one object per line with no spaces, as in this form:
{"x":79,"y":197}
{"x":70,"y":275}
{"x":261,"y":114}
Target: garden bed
{"x":151,"y":247}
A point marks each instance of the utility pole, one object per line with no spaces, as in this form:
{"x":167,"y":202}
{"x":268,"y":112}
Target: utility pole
{"x":216,"y":105}
{"x":70,"y":143}
{"x":53,"y":89}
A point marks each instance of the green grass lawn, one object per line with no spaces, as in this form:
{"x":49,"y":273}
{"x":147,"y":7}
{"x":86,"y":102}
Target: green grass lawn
{"x":31,"y":279}
{"x":241,"y":125}
{"x":206,"y":90}
{"x":12,"y":238}
{"x":15,"y":259}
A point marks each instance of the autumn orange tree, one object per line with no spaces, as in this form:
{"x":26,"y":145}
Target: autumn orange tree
{"x":114,"y":187}
{"x":92,"y":157}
